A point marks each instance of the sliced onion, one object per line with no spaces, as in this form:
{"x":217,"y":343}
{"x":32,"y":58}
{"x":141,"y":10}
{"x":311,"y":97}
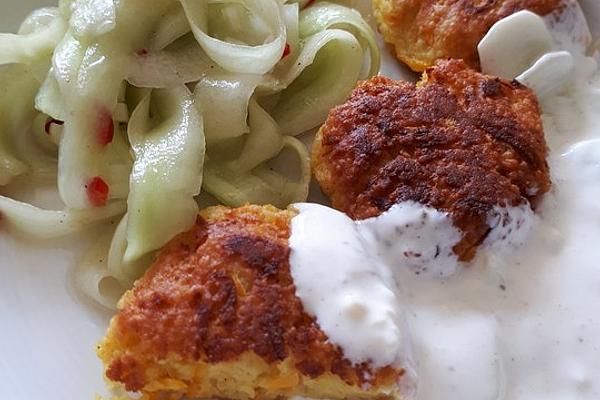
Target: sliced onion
{"x":82,"y":156}
{"x":263,"y":185}
{"x":182,"y":62}
{"x":125,"y":271}
{"x":304,"y":104}
{"x":172,"y":26}
{"x":325,"y":15}
{"x":36,"y":223}
{"x":93,"y":278}
{"x":239,"y":57}
{"x":38,"y":38}
{"x":93,"y":17}
{"x":263,"y":143}
{"x":223,"y":100}
{"x":50,"y":100}
{"x":19,"y":150}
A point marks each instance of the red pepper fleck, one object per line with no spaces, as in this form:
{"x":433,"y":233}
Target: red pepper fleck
{"x":286,"y":51}
{"x":141,"y":52}
{"x":49,"y":123}
{"x":310,"y":2}
{"x":97,"y":191}
{"x":105,"y":127}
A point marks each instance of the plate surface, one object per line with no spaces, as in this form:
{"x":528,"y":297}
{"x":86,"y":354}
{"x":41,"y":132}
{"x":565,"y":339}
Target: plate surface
{"x":48,"y":332}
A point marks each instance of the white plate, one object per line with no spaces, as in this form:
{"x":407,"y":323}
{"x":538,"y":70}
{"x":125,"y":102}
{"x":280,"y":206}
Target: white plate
{"x":47,"y":331}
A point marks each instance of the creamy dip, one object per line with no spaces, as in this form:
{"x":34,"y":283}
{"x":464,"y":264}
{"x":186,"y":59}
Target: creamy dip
{"x":339,"y":282}
{"x":518,"y":324}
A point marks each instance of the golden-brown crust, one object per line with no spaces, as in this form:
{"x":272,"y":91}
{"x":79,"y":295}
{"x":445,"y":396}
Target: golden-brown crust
{"x":423,"y":31}
{"x":459,"y":141}
{"x":221,"y":290}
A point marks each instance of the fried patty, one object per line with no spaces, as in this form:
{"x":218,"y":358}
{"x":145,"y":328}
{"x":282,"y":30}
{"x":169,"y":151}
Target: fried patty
{"x":217,"y":316}
{"x":459,"y":141}
{"x":423,"y":31}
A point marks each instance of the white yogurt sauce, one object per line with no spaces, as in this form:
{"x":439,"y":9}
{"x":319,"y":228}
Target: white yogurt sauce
{"x":412,"y":236}
{"x":340,"y":283}
{"x":510,"y":228}
{"x":515,"y":325}
{"x":349,"y":274}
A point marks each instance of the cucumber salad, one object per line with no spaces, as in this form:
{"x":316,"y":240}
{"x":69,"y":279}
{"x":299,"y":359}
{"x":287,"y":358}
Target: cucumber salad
{"x":139,"y":110}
